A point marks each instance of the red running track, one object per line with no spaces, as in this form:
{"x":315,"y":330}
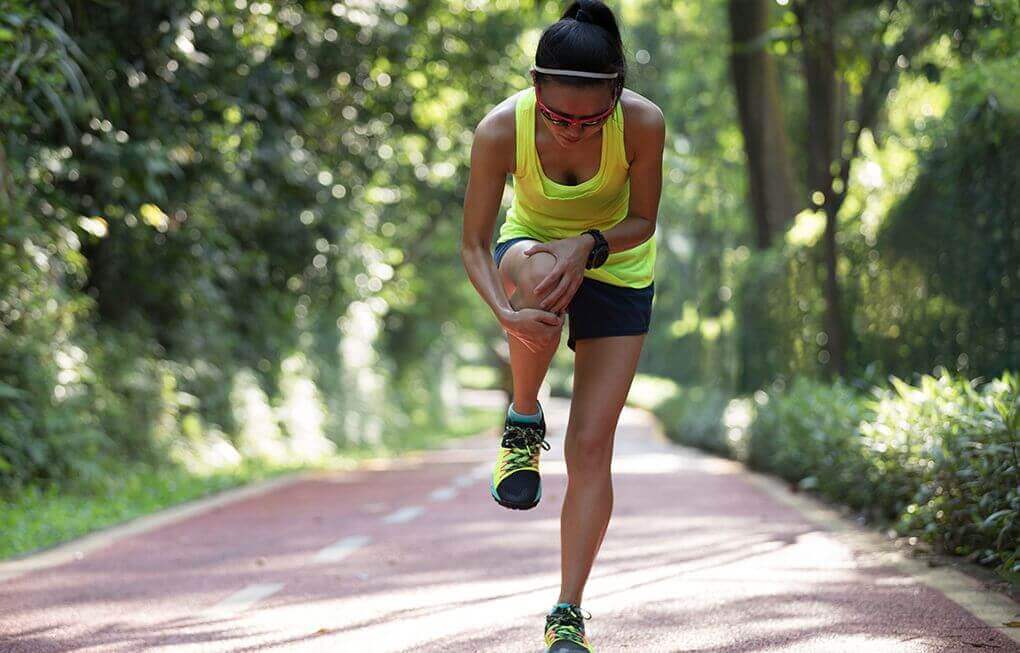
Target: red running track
{"x":420,"y":558}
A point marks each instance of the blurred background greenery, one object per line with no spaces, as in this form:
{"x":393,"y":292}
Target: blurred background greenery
{"x":231,"y":229}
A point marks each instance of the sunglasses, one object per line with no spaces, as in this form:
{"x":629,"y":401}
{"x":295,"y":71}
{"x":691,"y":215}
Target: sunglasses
{"x":560,"y":120}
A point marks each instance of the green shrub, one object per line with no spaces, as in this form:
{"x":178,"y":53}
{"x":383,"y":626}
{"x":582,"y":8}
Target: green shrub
{"x":694,"y":416}
{"x":807,"y":434}
{"x":648,"y":391}
{"x":965,"y":457}
{"x":940,"y":460}
{"x":48,"y":428}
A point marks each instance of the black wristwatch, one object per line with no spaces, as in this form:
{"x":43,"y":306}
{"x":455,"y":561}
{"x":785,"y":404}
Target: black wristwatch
{"x":600,"y":252}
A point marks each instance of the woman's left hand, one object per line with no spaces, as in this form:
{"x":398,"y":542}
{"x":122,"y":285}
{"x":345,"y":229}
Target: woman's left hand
{"x":567,"y":274}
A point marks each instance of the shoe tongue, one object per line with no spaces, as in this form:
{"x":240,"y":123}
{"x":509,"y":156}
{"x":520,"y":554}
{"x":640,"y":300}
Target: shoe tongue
{"x":525,"y":432}
{"x":564,"y":607}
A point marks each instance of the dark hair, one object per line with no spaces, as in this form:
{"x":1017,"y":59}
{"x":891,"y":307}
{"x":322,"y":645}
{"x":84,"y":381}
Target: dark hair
{"x":586,"y":37}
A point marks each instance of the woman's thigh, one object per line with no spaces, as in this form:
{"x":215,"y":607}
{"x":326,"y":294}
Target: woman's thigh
{"x":604,"y":368}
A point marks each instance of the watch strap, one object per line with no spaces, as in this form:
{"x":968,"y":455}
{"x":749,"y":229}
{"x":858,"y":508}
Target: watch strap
{"x":600,"y":252}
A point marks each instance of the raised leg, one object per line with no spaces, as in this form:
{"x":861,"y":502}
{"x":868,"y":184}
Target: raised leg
{"x":520,"y":276}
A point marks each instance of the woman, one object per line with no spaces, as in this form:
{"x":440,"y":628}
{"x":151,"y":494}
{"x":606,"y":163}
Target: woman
{"x":586,"y":158}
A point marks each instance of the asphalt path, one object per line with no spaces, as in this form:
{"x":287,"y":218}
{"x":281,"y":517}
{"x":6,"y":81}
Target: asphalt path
{"x":414,"y":555}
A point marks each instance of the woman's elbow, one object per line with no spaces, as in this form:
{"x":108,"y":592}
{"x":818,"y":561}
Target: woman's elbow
{"x":472,"y":246}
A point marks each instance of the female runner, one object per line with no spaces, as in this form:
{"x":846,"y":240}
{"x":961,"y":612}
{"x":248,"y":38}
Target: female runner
{"x":586,"y":159}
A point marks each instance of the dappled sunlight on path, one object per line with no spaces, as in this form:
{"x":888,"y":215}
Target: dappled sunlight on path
{"x":415,"y":555}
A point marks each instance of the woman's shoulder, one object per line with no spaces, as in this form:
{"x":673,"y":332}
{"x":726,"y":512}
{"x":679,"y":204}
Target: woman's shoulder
{"x":643,"y":122}
{"x":639,"y":109}
{"x":498,"y":130}
{"x":504,"y":114}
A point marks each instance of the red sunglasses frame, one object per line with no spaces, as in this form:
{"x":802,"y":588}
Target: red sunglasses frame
{"x":593,"y":121}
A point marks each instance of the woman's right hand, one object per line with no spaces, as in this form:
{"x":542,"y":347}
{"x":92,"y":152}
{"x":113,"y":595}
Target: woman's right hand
{"x":536,"y":328}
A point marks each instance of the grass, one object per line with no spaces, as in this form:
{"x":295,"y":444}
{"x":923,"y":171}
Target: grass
{"x":38,"y":518}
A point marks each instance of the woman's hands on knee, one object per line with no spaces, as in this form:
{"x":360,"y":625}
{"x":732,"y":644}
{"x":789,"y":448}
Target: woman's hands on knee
{"x":535,"y":328}
{"x":558,"y":287}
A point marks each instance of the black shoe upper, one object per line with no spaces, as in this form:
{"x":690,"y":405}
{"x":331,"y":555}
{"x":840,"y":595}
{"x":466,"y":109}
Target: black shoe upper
{"x":519,"y":434}
{"x":568,"y":624}
{"x":521,"y":486}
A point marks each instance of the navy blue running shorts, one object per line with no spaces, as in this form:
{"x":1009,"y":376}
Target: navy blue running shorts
{"x":600,"y":309}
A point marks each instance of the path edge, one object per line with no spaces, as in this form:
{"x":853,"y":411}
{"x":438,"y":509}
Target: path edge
{"x":991,"y":607}
{"x":77,"y":548}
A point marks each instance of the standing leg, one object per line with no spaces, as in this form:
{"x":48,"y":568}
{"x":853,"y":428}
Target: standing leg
{"x":603,"y":371}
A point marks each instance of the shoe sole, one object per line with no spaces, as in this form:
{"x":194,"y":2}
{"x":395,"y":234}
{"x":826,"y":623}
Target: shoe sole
{"x":515,"y":506}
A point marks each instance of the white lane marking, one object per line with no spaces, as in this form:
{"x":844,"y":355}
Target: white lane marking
{"x":404,"y":514}
{"x":479,"y":472}
{"x":247,"y":597}
{"x":342,"y":549}
{"x":463,"y":481}
{"x":443,"y":494}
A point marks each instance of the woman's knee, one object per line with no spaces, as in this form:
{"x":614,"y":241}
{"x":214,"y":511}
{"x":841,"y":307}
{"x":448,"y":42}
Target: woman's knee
{"x":531,"y":271}
{"x":589,"y":451}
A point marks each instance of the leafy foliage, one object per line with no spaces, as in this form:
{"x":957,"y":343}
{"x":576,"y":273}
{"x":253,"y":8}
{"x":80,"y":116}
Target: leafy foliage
{"x":933,"y":283}
{"x":939,"y":460}
{"x":953,"y":241}
{"x":195,"y":190}
{"x":694,"y":416}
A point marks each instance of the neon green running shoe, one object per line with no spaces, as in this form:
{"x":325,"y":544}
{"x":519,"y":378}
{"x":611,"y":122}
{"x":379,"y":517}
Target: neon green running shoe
{"x":564,"y":630}
{"x":516,"y":482}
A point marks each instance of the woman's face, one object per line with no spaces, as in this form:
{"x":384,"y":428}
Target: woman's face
{"x":575,"y":102}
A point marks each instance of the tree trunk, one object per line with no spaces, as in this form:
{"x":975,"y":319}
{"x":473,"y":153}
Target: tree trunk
{"x":6,"y":198}
{"x":825,"y":97}
{"x":772,"y":197}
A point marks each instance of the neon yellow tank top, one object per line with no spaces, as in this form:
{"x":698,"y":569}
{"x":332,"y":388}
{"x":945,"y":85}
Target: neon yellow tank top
{"x":546,"y":210}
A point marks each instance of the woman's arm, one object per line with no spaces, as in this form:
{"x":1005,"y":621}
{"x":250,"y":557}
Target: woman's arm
{"x":485,"y":186}
{"x":492,"y":153}
{"x":649,"y":131}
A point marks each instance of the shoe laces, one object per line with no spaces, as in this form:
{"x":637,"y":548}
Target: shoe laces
{"x":524,"y":443}
{"x":566,"y":622}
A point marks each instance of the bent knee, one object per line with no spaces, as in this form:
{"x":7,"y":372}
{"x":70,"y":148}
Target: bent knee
{"x":533,"y":270}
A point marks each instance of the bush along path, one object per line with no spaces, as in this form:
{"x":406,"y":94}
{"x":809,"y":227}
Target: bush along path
{"x":411,"y":553}
{"x":937,"y":462}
